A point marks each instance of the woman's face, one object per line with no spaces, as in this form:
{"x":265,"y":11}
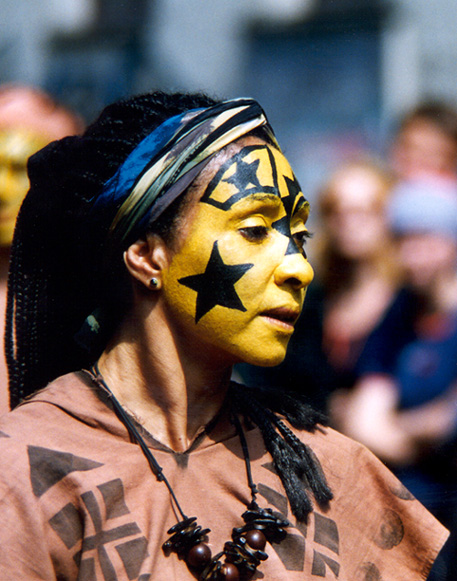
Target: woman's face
{"x":238,"y":281}
{"x":355,"y":221}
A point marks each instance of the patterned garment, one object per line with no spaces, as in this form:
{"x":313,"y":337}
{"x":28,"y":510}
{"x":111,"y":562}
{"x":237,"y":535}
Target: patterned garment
{"x":78,"y":500}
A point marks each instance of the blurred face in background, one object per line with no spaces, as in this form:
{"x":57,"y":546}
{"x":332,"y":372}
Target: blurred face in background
{"x":422,"y":149}
{"x":353,"y":210}
{"x":16,"y":146}
{"x":29,"y":120}
{"x":426,"y":257}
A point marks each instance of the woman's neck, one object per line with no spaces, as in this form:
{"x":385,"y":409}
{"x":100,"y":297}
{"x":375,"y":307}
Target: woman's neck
{"x":171,"y":394}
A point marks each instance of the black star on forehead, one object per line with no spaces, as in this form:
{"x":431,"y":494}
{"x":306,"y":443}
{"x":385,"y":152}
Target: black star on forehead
{"x":216,"y":286}
{"x":245,"y":175}
{"x":244,"y":179}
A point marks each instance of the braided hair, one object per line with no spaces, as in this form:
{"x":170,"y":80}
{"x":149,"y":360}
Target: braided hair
{"x":59,"y":273}
{"x":56,"y":278}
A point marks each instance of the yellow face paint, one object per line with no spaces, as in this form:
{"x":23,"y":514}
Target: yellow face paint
{"x":239,"y":279}
{"x":15,"y":149}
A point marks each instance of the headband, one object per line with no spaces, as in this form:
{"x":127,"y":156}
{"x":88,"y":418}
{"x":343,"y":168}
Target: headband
{"x":166,"y":162}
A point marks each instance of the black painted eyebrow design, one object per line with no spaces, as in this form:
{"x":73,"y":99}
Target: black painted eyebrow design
{"x":302,"y":204}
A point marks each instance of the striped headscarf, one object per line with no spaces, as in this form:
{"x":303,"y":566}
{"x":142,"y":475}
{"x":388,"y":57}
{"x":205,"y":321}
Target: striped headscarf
{"x":166,"y":162}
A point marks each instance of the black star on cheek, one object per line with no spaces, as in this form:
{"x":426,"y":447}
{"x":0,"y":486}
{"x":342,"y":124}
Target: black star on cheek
{"x":216,"y":286}
{"x":245,"y":175}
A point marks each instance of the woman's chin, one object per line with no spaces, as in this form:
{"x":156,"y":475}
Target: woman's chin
{"x":270,"y":359}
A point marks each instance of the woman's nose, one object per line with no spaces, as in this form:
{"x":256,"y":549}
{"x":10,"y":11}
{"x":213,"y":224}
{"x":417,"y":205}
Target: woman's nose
{"x":294,"y":270}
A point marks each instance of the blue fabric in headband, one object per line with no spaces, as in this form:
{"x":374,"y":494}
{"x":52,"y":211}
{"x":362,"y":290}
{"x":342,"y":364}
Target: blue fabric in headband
{"x":161,"y":167}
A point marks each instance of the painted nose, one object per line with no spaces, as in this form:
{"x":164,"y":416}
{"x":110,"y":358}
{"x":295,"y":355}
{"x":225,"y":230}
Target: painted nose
{"x":294,"y":270}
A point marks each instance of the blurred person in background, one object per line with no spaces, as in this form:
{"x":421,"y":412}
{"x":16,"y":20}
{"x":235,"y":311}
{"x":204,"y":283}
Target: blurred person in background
{"x":29,"y":120}
{"x":425,"y":143}
{"x":355,"y":267}
{"x":355,"y":282}
{"x":404,"y":406}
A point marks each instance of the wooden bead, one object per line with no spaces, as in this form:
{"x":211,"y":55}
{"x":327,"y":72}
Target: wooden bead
{"x":256,"y":540}
{"x":198,"y":556}
{"x":229,"y":572}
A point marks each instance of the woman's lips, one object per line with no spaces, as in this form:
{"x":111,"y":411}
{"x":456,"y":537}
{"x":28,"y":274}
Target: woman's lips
{"x":285,"y":317}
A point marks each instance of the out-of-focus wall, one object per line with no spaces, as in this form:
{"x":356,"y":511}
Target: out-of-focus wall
{"x":202,"y":45}
{"x":197,"y":44}
{"x":420,"y":53}
{"x":333,"y":74}
{"x":26,"y":27}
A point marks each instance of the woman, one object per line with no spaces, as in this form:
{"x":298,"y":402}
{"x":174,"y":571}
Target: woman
{"x":355,"y":266}
{"x":151,"y":254}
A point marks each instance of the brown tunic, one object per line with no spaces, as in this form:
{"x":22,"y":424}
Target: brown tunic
{"x":79,"y":501}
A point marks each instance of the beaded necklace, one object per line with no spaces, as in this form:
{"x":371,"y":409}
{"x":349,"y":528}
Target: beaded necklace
{"x":240,"y":557}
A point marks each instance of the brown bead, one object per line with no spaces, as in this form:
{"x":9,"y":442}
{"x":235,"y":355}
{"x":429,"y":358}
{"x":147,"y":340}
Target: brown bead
{"x":229,"y":572}
{"x":256,"y":540}
{"x":199,"y":556}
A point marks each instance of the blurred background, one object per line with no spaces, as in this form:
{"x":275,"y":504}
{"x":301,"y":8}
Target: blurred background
{"x":333,"y":75}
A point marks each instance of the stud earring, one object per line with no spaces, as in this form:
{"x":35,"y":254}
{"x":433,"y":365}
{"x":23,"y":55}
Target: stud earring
{"x":153,"y":283}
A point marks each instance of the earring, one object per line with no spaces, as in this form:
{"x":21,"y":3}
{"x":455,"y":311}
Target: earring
{"x":153,"y":283}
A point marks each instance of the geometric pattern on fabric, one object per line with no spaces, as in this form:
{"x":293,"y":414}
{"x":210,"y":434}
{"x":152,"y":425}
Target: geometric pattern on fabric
{"x":48,"y":467}
{"x":370,"y":572}
{"x":326,"y":532}
{"x":320,"y":564}
{"x":275,"y":498}
{"x":113,"y":497}
{"x":125,"y":538}
{"x":291,"y":551}
{"x":390,"y":532}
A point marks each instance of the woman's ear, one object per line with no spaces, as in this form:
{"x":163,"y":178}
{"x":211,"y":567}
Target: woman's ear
{"x":145,"y":260}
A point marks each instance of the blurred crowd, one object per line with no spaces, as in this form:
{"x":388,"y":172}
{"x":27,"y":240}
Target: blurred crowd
{"x":376,"y":346}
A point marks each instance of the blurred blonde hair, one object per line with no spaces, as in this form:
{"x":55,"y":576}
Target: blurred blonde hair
{"x":335,"y":271}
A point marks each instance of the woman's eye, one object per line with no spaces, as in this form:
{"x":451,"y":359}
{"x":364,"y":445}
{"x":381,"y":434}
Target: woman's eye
{"x":301,"y":239}
{"x":254,"y":233}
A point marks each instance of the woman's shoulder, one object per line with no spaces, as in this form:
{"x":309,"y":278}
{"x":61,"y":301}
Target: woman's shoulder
{"x":338,"y":453}
{"x":66,"y":402}
{"x":381,"y":527}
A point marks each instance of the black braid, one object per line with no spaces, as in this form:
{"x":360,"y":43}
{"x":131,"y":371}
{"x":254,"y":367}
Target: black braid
{"x":295,"y":463}
{"x":57,"y":275}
